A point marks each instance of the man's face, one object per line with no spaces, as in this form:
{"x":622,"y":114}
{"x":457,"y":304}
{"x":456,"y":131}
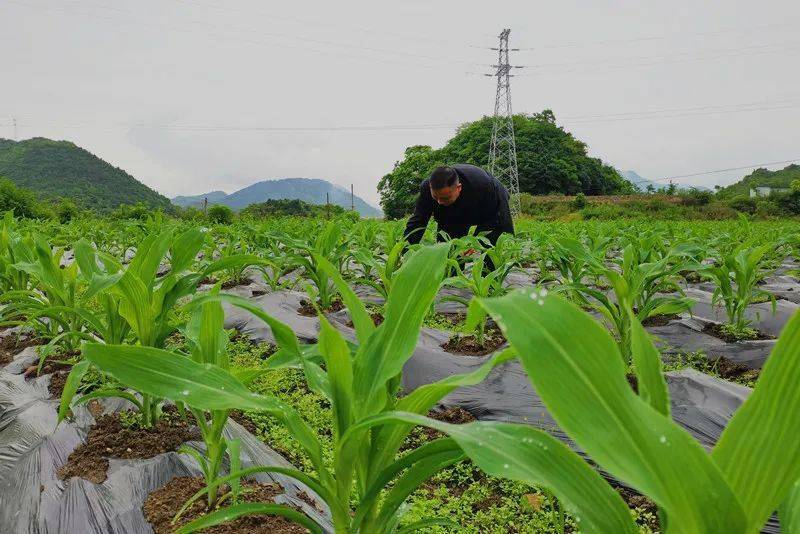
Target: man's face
{"x":446,"y":195}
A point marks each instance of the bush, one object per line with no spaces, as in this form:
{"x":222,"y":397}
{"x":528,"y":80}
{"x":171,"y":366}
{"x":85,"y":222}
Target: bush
{"x":66,"y":210}
{"x":744,"y":204}
{"x":696,"y":197}
{"x":20,"y":201}
{"x":220,"y":214}
{"x":579,"y":202}
{"x":790,"y":202}
{"x":130,"y":211}
{"x":191,"y":214}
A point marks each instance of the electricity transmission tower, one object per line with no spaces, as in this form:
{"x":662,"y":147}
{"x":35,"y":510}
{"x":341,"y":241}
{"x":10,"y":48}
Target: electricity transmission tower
{"x":503,"y":152}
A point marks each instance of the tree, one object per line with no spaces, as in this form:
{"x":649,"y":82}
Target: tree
{"x":549,"y":159}
{"x":220,"y":213}
{"x":399,"y":188}
{"x":18,"y":200}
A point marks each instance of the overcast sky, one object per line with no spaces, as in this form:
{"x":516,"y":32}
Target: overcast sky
{"x":190,"y":96}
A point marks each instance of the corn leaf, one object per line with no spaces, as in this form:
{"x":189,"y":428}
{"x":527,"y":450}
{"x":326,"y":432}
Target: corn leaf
{"x":393,"y":343}
{"x":759,"y":450}
{"x":230,"y":513}
{"x":581,"y":379}
{"x":647,"y":361}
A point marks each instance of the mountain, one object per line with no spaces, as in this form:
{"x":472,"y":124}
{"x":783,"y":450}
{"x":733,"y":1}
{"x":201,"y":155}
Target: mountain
{"x":311,"y":190}
{"x":55,"y":169}
{"x":781,"y":179}
{"x":642,"y":183}
{"x":197,"y":200}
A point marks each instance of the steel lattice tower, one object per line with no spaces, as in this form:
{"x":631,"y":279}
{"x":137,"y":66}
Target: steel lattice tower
{"x":503,"y":152}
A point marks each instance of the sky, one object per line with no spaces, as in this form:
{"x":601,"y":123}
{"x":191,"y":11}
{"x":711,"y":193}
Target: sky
{"x":193,"y":96}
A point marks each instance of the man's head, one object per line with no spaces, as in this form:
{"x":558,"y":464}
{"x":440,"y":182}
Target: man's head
{"x":445,"y":185}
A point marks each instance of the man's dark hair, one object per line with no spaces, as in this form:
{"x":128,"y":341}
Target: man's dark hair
{"x":443,"y":177}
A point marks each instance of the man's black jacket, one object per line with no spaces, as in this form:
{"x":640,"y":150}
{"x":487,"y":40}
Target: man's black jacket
{"x":483,"y":202}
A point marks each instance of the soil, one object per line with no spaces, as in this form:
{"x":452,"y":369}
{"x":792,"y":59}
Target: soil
{"x":307,"y":309}
{"x":246,"y":422}
{"x":636,"y":500}
{"x":660,"y":320}
{"x":57,"y":370}
{"x":162,"y":505}
{"x":109,"y":438}
{"x":730,"y":370}
{"x":208,"y":280}
{"x":12,"y":344}
{"x":715,"y":329}
{"x":468,"y":345}
{"x":452,"y":414}
{"x":377,"y":319}
{"x":233,"y":283}
{"x":258,"y":292}
{"x":633,"y":381}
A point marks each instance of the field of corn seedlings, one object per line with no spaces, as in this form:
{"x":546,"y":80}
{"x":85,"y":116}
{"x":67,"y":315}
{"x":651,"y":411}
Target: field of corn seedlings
{"x":302,"y":375}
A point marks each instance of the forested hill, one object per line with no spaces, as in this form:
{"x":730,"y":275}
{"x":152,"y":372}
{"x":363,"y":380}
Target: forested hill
{"x":309,"y":190}
{"x":764,"y":178}
{"x":550,"y":160}
{"x":62,"y":169}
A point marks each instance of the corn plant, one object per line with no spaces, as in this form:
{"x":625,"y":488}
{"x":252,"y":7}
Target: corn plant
{"x":367,"y":484}
{"x":751,"y":472}
{"x":640,"y":286}
{"x":304,"y":254}
{"x":736,"y":276}
{"x":146,"y":303}
{"x":481,"y":284}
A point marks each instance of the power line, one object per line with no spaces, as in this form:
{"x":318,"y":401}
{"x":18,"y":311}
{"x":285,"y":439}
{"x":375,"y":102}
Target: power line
{"x":277,"y":35}
{"x":703,"y":173}
{"x":382,"y":33}
{"x":666,"y":113}
{"x":679,"y":57}
{"x":661,"y":36}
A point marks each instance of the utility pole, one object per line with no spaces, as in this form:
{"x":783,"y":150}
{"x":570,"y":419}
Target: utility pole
{"x":14,"y":122}
{"x":327,"y":206}
{"x":205,"y":206}
{"x":352,"y":199}
{"x":503,"y":151}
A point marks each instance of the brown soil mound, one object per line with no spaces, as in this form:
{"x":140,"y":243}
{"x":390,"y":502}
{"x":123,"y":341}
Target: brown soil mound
{"x":109,"y":438}
{"x":233,"y":283}
{"x":469,"y":346}
{"x":162,"y":505}
{"x":660,"y":320}
{"x":13,"y":344}
{"x":730,"y":370}
{"x":308,"y":310}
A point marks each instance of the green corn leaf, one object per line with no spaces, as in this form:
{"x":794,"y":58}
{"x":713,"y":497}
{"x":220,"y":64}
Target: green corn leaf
{"x":581,"y":379}
{"x":422,"y":399}
{"x":185,"y":249}
{"x":789,"y":513}
{"x":759,"y":450}
{"x":233,"y":262}
{"x":523,"y":453}
{"x":71,"y":387}
{"x":340,"y":373}
{"x":230,"y":513}
{"x":412,"y":479}
{"x":387,"y":350}
{"x":358,"y":313}
{"x":163,"y":374}
{"x":440,"y":448}
{"x":647,"y":361}
{"x":109,"y":393}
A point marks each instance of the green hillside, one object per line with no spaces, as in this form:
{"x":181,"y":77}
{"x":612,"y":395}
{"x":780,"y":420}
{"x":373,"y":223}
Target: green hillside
{"x":61,"y":169}
{"x":763,"y":177}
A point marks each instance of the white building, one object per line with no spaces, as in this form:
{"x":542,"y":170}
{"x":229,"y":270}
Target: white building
{"x":765,"y":191}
